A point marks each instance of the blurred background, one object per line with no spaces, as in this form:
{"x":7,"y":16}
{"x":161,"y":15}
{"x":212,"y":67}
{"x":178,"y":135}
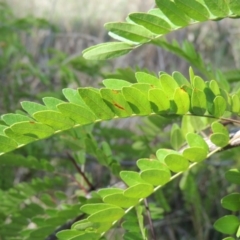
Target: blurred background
{"x":45,"y":40}
{"x":40,"y":54}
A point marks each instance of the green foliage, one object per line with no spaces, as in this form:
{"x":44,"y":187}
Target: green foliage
{"x":194,"y":107}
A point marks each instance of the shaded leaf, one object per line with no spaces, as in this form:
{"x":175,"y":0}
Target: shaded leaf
{"x":228,"y":224}
{"x":231,"y":202}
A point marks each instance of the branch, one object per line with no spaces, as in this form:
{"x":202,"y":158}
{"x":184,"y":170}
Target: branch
{"x":91,"y":187}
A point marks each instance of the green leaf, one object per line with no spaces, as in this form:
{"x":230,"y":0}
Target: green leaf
{"x":107,"y":51}
{"x":181,"y":101}
{"x":131,"y":178}
{"x":198,"y":102}
{"x":159,"y":100}
{"x":12,"y":118}
{"x":147,"y":164}
{"x":193,"y":9}
{"x":163,"y":152}
{"x":116,"y":102}
{"x":51,"y":103}
{"x":54,"y":119}
{"x":32,"y":107}
{"x":107,"y":215}
{"x":94,"y":101}
{"x":176,"y":162}
{"x":169,"y":85}
{"x":139,"y":102}
{"x":198,"y":83}
{"x":235,"y":103}
{"x":73,"y":96}
{"x":219,"y":106}
{"x":231,"y":202}
{"x":95,"y":207}
{"x":220,"y":136}
{"x":109,"y":191}
{"x":155,"y":176}
{"x":42,"y":232}
{"x":68,"y":234}
{"x":217,"y":127}
{"x":143,"y":77}
{"x":77,"y":113}
{"x":214,"y":87}
{"x":120,"y":200}
{"x":177,"y":138}
{"x":115,"y":84}
{"x":180,"y":79}
{"x":19,"y":138}
{"x":228,"y":224}
{"x":173,"y":13}
{"x":218,"y":8}
{"x":7,"y":144}
{"x":133,"y":33}
{"x":194,"y":140}
{"x":233,"y":176}
{"x":151,"y":22}
{"x":195,"y":154}
{"x":234,"y":7}
{"x":38,"y":129}
{"x":141,"y":190}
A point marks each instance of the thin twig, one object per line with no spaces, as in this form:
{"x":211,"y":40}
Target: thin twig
{"x":149,"y":219}
{"x":91,"y":187}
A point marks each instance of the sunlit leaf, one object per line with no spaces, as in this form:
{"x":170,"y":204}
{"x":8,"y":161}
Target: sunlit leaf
{"x":181,"y":101}
{"x":141,"y":190}
{"x":155,"y":176}
{"x":131,"y":178}
{"x":174,"y":14}
{"x":107,"y":51}
{"x":195,"y":154}
{"x":54,"y":119}
{"x":159,"y":100}
{"x":120,"y":200}
{"x":193,"y":9}
{"x":133,"y":33}
{"x":218,"y":7}
{"x":94,"y":101}
{"x":139,"y":102}
{"x":115,"y":84}
{"x":151,"y":22}
{"x":107,"y":215}
{"x":219,"y":106}
{"x":176,"y":162}
{"x":143,"y":77}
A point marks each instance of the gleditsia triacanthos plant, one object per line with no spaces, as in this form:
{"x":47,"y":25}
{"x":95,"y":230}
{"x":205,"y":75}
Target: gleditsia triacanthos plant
{"x":166,"y":95}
